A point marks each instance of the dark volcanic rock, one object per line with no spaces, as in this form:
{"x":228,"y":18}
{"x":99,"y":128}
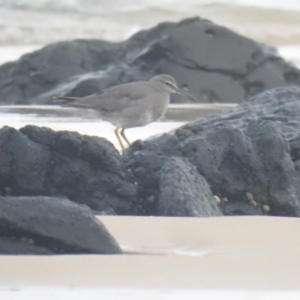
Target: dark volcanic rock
{"x":280,"y":105}
{"x":184,"y":192}
{"x":39,"y":161}
{"x":247,"y":155}
{"x":39,"y":71}
{"x":254,"y":166}
{"x":40,"y":225}
{"x":168,"y":184}
{"x":212,"y":62}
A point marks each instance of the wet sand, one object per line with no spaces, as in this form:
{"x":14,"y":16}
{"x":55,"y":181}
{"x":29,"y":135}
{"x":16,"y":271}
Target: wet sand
{"x":226,"y":253}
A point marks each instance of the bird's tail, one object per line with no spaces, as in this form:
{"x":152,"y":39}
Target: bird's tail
{"x":68,"y":101}
{"x":64,"y":100}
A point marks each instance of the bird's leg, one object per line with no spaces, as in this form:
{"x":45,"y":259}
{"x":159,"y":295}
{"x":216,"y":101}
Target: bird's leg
{"x":124,"y":136}
{"x":119,"y":139}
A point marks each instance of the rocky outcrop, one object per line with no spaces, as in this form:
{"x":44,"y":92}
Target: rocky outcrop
{"x":40,"y":225}
{"x":184,"y":192}
{"x":253,"y":166}
{"x":248,"y":158}
{"x":41,"y":162}
{"x":212,"y":62}
{"x":89,"y":170}
{"x":170,"y":186}
{"x":249,"y":155}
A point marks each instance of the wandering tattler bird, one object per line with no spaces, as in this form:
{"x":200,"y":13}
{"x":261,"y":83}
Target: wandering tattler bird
{"x":132,"y":104}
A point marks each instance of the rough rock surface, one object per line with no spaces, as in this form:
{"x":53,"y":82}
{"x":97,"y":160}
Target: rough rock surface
{"x":254,"y":165}
{"x":212,"y":62}
{"x":41,"y":162}
{"x":249,"y":156}
{"x":41,"y":225}
{"x":184,"y":192}
{"x":169,"y":186}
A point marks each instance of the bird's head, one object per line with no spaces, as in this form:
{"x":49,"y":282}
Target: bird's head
{"x":167,"y":84}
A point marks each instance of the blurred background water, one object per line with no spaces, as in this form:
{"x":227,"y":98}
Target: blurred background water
{"x":26,"y":25}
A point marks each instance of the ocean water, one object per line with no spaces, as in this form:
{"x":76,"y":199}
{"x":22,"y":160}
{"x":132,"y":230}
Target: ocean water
{"x":94,"y":6}
{"x":27,"y":25}
{"x":39,"y":22}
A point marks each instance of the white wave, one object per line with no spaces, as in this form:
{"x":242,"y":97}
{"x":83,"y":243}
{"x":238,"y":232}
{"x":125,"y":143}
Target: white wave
{"x":287,"y":4}
{"x":66,"y":87}
{"x":94,"y":6}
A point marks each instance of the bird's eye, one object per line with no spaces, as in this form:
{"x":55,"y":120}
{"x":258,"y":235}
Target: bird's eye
{"x":167,"y":83}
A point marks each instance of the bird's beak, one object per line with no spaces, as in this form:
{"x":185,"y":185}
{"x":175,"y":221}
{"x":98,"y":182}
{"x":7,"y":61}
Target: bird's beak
{"x":181,"y":92}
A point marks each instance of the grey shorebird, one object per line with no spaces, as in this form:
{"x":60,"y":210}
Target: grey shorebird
{"x":130,"y":105}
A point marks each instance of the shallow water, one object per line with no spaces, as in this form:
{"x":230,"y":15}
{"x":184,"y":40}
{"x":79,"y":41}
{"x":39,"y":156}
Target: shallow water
{"x":87,"y":122}
{"x":83,"y":125}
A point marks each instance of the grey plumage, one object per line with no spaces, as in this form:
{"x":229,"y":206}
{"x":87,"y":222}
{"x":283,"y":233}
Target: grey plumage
{"x":131,"y":104}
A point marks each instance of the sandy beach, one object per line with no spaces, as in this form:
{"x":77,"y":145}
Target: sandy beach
{"x":195,"y":255}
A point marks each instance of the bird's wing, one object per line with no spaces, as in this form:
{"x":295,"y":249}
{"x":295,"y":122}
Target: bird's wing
{"x":121,"y":97}
{"x":115,"y":98}
{"x":72,"y":101}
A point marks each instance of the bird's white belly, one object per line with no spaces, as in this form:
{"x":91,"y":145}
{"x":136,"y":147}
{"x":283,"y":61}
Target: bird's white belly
{"x":140,"y":114}
{"x":128,"y":121}
{"x":152,"y":114}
